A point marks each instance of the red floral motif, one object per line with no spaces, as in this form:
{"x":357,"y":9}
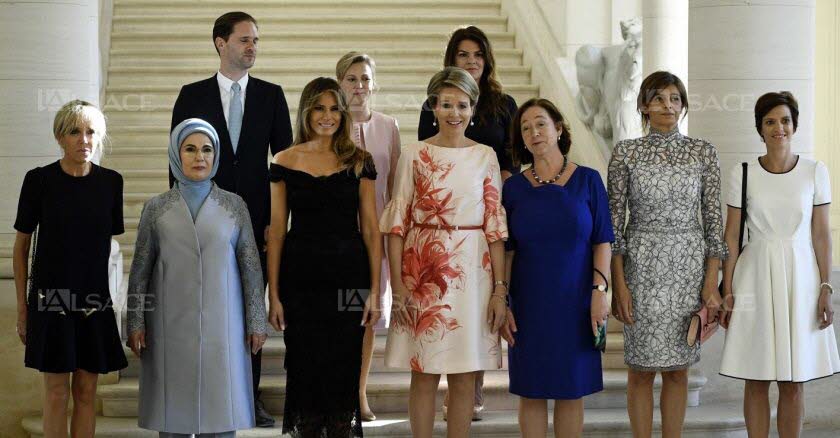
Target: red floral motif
{"x":486,"y":261}
{"x":415,"y":363}
{"x":493,"y":212}
{"x":426,"y":269}
{"x":396,"y":230}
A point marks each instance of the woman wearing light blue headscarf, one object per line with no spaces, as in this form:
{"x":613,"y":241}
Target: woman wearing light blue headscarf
{"x":195,"y":298}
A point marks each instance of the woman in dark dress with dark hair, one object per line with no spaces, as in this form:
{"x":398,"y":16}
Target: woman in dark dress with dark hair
{"x":65,"y":318}
{"x":469,"y":49}
{"x":321,"y":270}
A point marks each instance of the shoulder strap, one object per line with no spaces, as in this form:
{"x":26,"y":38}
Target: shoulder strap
{"x":743,"y":206}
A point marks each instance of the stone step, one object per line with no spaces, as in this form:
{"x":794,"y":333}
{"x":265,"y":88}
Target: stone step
{"x":712,"y":421}
{"x":274,"y":352}
{"x":162,"y":98}
{"x":6,"y":269}
{"x":293,"y":75}
{"x":162,"y":56}
{"x":199,"y":41}
{"x":388,"y":392}
{"x":266,"y":8}
{"x":203,"y":22}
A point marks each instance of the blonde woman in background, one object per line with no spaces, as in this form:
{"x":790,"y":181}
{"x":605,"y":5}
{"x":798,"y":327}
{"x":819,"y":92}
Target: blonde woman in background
{"x":380,"y":136}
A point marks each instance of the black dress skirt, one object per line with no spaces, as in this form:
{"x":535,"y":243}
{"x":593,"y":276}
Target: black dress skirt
{"x":324,"y":280}
{"x":70,"y":318}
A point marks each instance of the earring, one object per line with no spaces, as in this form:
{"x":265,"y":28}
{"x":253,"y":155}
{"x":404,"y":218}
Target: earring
{"x":434,"y":122}
{"x":559,"y":137}
{"x":472,"y":123}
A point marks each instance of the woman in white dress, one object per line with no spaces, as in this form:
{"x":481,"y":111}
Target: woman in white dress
{"x":778,"y":326}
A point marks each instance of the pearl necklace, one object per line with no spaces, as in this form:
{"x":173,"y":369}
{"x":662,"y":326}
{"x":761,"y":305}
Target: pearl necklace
{"x":552,"y":180}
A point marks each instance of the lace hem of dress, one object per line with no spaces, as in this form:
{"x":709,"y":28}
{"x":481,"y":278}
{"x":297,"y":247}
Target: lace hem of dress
{"x":317,"y":425}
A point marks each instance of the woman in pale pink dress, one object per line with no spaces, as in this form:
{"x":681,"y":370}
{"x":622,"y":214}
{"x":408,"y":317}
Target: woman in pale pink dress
{"x":378,"y":134}
{"x":446,"y":226}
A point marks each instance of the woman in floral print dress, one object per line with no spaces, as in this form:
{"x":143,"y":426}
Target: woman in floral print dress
{"x":665,"y":260}
{"x":446,"y":226}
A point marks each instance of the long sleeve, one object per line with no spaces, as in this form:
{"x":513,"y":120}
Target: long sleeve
{"x":710,"y":205}
{"x":250,"y":273}
{"x":618,"y":180}
{"x":396,"y":150}
{"x":142,"y":267}
{"x":495,"y":219}
{"x":281,"y":128}
{"x":396,"y":218}
{"x":425,"y":127}
{"x":179,"y":114}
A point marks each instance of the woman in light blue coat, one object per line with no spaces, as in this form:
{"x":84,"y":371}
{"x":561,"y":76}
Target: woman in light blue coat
{"x":195,"y":298}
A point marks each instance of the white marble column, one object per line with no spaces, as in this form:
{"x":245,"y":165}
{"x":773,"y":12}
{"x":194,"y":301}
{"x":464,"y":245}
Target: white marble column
{"x":49,"y":54}
{"x":665,"y":37}
{"x":739,"y":51}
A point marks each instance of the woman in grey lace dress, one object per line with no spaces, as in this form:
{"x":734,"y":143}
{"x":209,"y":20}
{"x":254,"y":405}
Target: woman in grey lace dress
{"x":195,"y":305}
{"x":666,"y":258}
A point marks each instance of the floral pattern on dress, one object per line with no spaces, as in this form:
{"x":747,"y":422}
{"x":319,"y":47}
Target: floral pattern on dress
{"x":446,"y":282}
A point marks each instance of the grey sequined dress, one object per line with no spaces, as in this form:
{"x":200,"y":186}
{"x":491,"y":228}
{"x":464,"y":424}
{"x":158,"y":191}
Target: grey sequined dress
{"x":670,"y":186}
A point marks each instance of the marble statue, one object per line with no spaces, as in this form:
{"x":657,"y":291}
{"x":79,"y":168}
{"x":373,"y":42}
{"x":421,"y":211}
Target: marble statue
{"x":609,"y":80}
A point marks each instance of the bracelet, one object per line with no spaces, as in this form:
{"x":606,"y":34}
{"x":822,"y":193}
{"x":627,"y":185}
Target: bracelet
{"x":501,"y":283}
{"x":604,"y":277}
{"x":504,"y":297}
{"x":829,"y":286}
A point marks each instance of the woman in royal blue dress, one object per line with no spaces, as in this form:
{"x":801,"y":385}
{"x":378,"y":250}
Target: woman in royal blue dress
{"x":558,"y":259}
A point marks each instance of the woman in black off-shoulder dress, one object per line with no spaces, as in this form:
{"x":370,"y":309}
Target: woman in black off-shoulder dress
{"x":320,"y":270}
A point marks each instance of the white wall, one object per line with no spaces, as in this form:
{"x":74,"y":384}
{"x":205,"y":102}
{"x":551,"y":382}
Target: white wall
{"x":49,"y":54}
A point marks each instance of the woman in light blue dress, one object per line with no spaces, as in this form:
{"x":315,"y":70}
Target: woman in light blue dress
{"x":195,"y":298}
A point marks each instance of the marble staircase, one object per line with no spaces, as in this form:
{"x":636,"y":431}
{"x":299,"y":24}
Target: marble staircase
{"x":159,"y":45}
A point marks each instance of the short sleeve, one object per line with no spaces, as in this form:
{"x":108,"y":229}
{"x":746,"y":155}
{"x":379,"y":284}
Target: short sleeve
{"x":602,"y":231}
{"x":495,"y":220}
{"x":733,"y":186}
{"x":276,"y":172}
{"x":117,"y":221}
{"x":396,"y":218}
{"x":368,"y":168}
{"x":29,"y":204}
{"x":822,"y":185}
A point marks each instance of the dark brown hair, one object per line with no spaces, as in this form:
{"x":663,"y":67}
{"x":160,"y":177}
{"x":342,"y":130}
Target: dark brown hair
{"x":651,"y":86}
{"x":771,"y":100}
{"x":224,"y":25}
{"x":348,"y":154}
{"x":492,"y":103}
{"x":518,"y":152}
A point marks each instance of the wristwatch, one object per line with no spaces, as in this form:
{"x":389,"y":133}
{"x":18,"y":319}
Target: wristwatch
{"x":599,"y":287}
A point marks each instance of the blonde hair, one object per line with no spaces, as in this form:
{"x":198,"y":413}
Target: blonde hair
{"x":452,"y":77}
{"x":73,"y":113}
{"x":351,"y":58}
{"x":342,"y":142}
